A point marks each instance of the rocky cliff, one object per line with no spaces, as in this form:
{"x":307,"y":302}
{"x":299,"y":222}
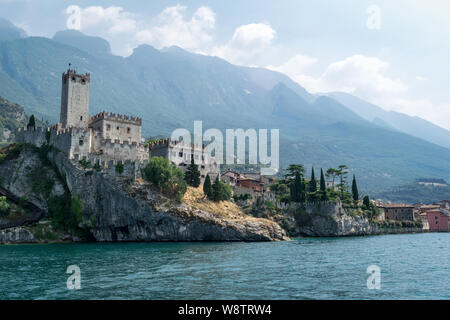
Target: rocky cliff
{"x":330,"y":219}
{"x":118,"y":208}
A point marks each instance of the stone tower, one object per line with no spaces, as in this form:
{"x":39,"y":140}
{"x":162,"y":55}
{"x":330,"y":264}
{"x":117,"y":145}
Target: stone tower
{"x":75,"y":99}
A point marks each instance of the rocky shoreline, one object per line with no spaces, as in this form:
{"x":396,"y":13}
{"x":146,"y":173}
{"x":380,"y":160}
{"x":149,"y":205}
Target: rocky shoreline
{"x":118,"y":209}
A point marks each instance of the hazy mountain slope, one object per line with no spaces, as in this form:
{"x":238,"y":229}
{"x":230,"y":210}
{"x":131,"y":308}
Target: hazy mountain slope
{"x":415,"y":126}
{"x":9,"y":31}
{"x":12,"y":116}
{"x":74,"y":38}
{"x":172,"y":88}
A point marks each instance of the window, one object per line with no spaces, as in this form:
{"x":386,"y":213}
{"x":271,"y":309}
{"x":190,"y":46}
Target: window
{"x":108,"y":127}
{"x":81,"y":142}
{"x":81,"y":118}
{"x":128,"y":130}
{"x":180,"y":154}
{"x":73,"y":78}
{"x":118,"y":128}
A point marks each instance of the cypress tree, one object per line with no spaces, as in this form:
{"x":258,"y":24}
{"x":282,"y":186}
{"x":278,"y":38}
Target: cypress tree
{"x":192,"y":175}
{"x":323,"y":186}
{"x":313,"y":182}
{"x":355,"y":189}
{"x":366,"y":202}
{"x":32,"y":122}
{"x":216,"y":190}
{"x":207,"y":187}
{"x":297,"y":188}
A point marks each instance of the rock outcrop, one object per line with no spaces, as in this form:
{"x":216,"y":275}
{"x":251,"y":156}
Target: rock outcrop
{"x":329,"y":219}
{"x":117,"y":208}
{"x":16,"y":235}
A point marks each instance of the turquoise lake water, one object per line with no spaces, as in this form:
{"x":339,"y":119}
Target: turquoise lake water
{"x":415,"y":266}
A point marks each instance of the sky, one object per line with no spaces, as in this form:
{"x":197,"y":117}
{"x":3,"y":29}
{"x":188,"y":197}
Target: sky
{"x":391,"y":53}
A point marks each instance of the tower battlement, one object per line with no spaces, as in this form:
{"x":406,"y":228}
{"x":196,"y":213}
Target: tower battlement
{"x":73,"y":73}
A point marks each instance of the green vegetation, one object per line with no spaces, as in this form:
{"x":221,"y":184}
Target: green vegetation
{"x":5,"y":208}
{"x":221,"y":191}
{"x":44,"y":232}
{"x":192,"y":175}
{"x":119,"y":167}
{"x":41,"y":181}
{"x":166,"y":176}
{"x":65,"y":211}
{"x":415,"y":192}
{"x":31,"y":123}
{"x":84,"y":163}
{"x":355,"y":192}
{"x":207,"y":187}
{"x":242,"y":197}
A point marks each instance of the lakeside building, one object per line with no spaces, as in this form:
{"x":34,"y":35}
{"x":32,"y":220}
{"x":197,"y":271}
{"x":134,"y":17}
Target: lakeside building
{"x":437,"y":216}
{"x":253,"y":184}
{"x":397,"y":211}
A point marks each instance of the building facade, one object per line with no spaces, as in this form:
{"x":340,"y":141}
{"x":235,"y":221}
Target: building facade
{"x":397,"y":211}
{"x":181,"y":155}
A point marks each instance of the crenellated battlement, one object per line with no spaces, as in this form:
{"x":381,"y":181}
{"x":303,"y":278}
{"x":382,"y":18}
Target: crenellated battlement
{"x":115,"y":117}
{"x":73,"y":74}
{"x":167,"y":142}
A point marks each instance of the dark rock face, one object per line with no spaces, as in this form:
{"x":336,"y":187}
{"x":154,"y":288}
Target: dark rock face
{"x":16,"y":235}
{"x":331,"y":220}
{"x":118,"y":211}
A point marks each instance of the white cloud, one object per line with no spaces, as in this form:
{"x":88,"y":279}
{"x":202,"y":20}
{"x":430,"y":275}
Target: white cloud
{"x":248,"y":43}
{"x":367,"y":78}
{"x":174,"y":29}
{"x":111,"y":20}
{"x":125,"y":31}
{"x":357,"y":74}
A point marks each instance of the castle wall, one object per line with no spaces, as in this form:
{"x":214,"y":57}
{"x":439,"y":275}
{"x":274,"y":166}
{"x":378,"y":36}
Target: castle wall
{"x":180,"y":154}
{"x":117,"y":127}
{"x":32,"y":136}
{"x":118,"y":150}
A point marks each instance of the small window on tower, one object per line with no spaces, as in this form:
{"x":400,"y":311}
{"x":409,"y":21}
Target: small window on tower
{"x":81,"y":118}
{"x":108,"y":127}
{"x":73,"y":78}
{"x":81,"y":142}
{"x":128,"y":130}
{"x":118,"y":128}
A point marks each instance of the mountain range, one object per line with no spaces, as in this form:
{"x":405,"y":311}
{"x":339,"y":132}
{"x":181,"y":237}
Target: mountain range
{"x":170,"y":88}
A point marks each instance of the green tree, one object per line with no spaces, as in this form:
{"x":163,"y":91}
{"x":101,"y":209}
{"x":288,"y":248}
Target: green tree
{"x":297,"y":188}
{"x":332,"y":174}
{"x":192,"y":175}
{"x":323,"y":186}
{"x":341,"y":173}
{"x":166,"y":176}
{"x":355,"y":192}
{"x":312,"y":182}
{"x":221,"y":191}
{"x":293,"y":170}
{"x":32,"y":122}
{"x":207,"y":187}
{"x":366,"y":203}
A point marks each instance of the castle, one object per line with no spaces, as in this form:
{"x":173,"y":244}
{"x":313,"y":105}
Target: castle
{"x":105,"y":137}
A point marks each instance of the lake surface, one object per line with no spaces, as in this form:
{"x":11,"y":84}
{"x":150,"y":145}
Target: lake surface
{"x":412,"y":266}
